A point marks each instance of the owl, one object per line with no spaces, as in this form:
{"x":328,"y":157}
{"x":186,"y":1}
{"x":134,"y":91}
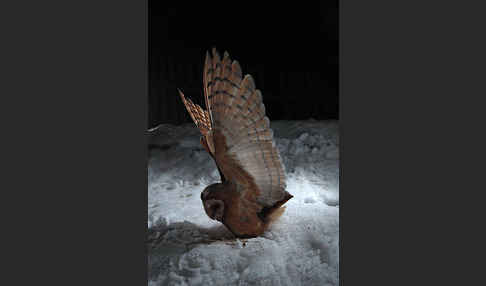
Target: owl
{"x":236,"y":133}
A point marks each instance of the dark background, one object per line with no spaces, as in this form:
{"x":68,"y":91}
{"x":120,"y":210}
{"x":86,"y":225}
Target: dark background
{"x":291,"y":50}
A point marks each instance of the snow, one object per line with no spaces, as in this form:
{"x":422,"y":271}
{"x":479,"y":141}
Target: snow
{"x":185,"y":247}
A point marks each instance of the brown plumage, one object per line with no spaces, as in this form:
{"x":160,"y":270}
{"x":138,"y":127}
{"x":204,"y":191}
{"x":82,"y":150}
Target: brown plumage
{"x":237,"y":135}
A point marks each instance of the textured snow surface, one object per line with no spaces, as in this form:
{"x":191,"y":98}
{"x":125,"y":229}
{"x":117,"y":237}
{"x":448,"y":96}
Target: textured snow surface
{"x":185,"y":247}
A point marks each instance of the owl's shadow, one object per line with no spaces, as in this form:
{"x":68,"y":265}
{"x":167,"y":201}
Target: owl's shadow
{"x":168,"y":242}
{"x":185,"y":234}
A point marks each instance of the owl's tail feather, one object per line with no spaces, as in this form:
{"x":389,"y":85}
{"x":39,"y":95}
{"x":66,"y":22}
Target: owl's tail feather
{"x":272,"y":214}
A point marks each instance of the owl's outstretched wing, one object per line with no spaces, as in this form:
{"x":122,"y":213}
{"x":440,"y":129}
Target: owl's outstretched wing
{"x":202,"y":120}
{"x":198,"y":115}
{"x":243,"y":140}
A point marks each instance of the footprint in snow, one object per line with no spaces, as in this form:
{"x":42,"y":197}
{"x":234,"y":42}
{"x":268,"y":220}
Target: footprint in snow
{"x":170,"y":187}
{"x":309,"y":200}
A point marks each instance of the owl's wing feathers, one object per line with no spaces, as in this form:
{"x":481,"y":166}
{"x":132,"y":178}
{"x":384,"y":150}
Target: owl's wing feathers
{"x":199,"y":116}
{"x":243,"y":140}
{"x":202,"y":120}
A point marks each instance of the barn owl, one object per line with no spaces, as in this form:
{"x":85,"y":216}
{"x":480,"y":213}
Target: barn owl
{"x":237,"y":135}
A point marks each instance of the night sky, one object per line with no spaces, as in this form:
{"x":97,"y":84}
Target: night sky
{"x":290,"y":49}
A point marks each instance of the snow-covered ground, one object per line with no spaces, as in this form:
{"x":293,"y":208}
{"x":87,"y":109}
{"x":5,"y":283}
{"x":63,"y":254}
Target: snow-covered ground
{"x":185,"y":247}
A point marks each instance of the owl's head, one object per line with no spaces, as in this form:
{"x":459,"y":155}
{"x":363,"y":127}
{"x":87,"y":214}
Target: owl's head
{"x":212,"y":202}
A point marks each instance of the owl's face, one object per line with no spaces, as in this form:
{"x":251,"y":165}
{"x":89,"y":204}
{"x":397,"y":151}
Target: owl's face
{"x":213,"y":206}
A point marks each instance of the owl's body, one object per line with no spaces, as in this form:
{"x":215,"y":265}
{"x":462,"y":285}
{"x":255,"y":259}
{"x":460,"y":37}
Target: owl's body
{"x":237,"y":135}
